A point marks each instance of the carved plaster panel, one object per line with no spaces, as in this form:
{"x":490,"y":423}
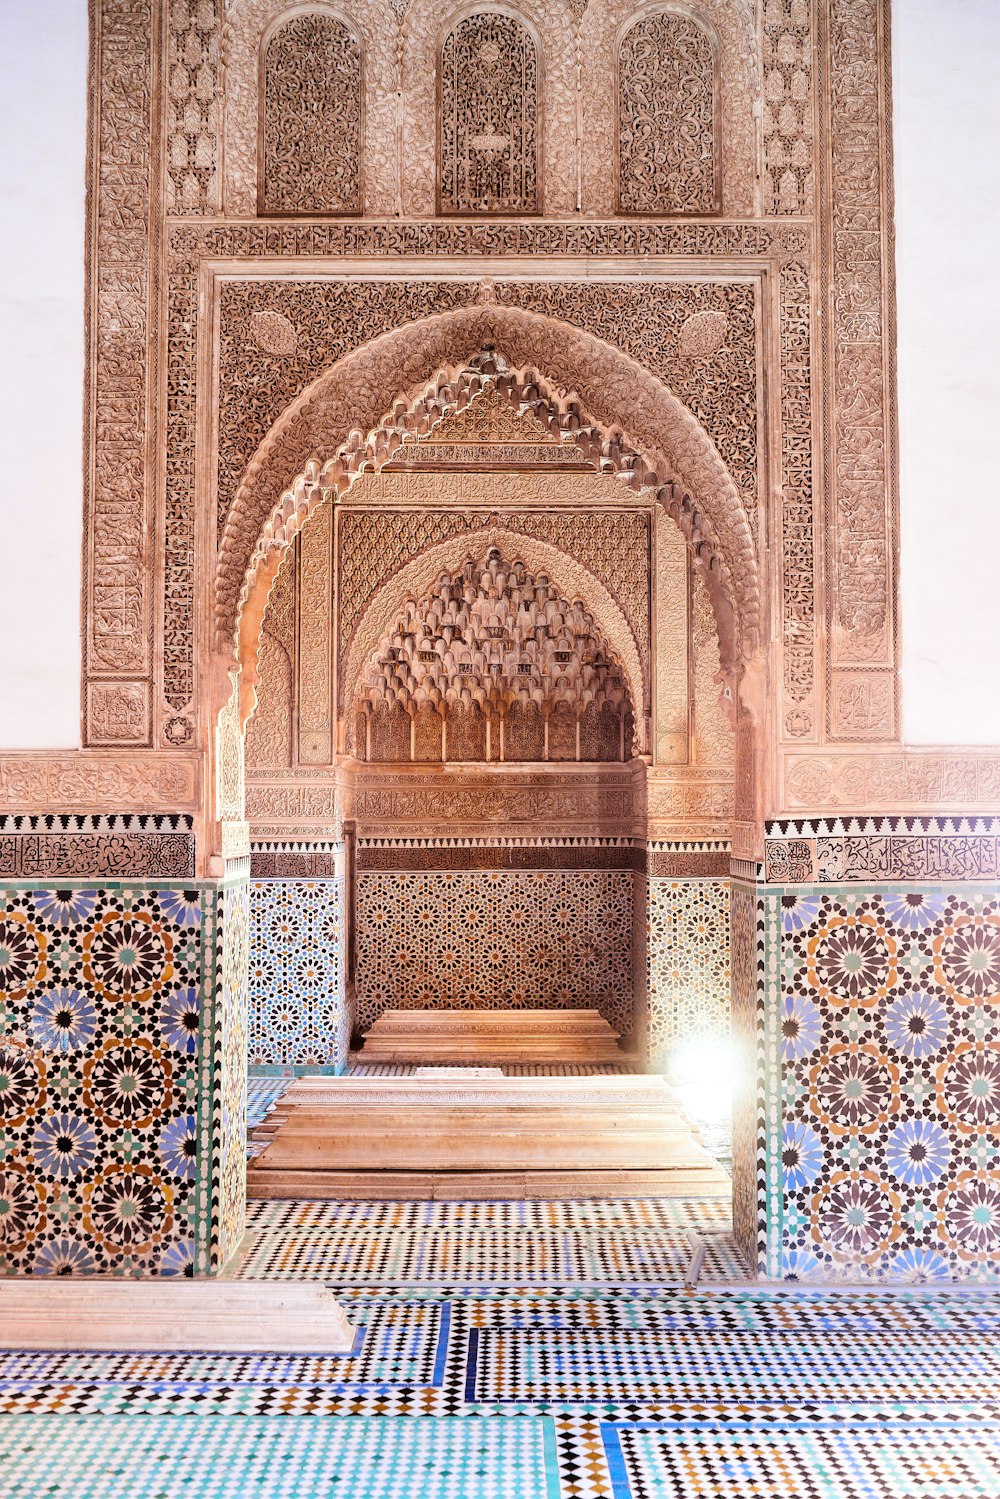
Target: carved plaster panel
{"x":645,"y":319}
{"x":891,"y":780}
{"x":668,"y":147}
{"x":713,"y":734}
{"x":117,"y":582}
{"x":311,"y":116}
{"x":572,"y":578}
{"x":269,"y":733}
{"x":671,"y":644}
{"x":193,"y":91}
{"x":489,"y":115}
{"x":710,"y":508}
{"x":136,"y":781}
{"x":494,"y":640}
{"x":601,"y":29}
{"x":315,"y":639}
{"x":189,"y":245}
{"x":246,"y":24}
{"x":787,"y":41}
{"x":421,"y":37}
{"x":861,"y":415}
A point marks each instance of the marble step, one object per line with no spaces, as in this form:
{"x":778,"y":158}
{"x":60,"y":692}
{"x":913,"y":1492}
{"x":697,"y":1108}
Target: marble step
{"x":488,"y":1036}
{"x":486,"y":1186}
{"x":172,"y":1316}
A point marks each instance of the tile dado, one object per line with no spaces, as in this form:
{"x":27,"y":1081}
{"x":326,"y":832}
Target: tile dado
{"x":880,"y":1156}
{"x":495,"y":939}
{"x":299,"y":1016}
{"x":122,"y":1098}
{"x":687,"y":960}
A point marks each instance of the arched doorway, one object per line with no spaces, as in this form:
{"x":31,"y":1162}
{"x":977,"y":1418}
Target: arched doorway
{"x":438,"y":452}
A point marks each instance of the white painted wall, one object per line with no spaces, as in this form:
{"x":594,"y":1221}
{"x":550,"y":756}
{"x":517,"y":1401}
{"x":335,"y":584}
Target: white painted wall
{"x":947,"y":104}
{"x":43,"y":120}
{"x":946,"y":85}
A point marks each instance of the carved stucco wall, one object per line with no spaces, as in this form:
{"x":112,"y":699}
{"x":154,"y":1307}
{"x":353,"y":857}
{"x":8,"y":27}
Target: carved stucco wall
{"x":311,"y":116}
{"x":856,"y":700}
{"x":732,"y":22}
{"x":814,"y":529}
{"x":386,"y":554}
{"x":247,"y":22}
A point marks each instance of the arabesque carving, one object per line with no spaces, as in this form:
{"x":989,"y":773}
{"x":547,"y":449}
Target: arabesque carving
{"x":488,"y":116}
{"x":420,"y":46}
{"x":671,"y":644}
{"x":860,"y":457}
{"x":715,"y":522}
{"x":269,"y":732}
{"x":312,"y":119}
{"x":247,"y":22}
{"x":789,"y":146}
{"x":194,"y":106}
{"x":732,"y":21}
{"x":668,"y":153}
{"x":650,"y":320}
{"x":117,"y":580}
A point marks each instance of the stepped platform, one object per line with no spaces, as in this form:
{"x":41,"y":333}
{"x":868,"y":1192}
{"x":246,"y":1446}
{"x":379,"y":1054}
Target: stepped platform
{"x":491,"y":1038}
{"x":173,"y":1316}
{"x":480,"y":1137}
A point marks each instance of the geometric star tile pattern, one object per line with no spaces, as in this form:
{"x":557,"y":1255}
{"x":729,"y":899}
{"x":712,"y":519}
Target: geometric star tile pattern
{"x":687,"y":956}
{"x":102,"y":1013}
{"x":543,"y":939}
{"x":889,"y":1005}
{"x":298,"y":1011}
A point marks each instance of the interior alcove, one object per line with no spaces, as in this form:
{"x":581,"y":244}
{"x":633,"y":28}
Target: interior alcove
{"x":501,"y":880}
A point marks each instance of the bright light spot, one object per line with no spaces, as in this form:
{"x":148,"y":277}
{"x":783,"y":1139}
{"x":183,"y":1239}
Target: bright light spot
{"x":703,"y":1072}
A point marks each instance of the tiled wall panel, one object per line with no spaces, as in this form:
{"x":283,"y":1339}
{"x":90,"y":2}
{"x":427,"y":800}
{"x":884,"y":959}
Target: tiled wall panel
{"x":106,"y":1158}
{"x":495,"y":939}
{"x":299,"y":1018}
{"x":889,"y":1004}
{"x":687,"y":960}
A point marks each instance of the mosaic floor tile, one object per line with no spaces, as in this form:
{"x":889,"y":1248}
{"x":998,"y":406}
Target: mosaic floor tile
{"x":262,"y":1092}
{"x":661,"y":1464}
{"x":506,"y":1385}
{"x":78,"y":1457}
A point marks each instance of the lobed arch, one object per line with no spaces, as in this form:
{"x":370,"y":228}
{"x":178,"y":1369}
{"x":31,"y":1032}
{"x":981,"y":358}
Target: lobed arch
{"x":569,"y":575}
{"x":605,"y":398}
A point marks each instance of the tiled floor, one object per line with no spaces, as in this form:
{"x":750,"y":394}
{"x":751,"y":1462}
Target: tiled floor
{"x":530,"y":1351}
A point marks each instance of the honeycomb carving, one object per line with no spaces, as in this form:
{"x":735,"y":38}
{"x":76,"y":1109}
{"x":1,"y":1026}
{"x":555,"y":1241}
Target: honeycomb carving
{"x":481,"y":662}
